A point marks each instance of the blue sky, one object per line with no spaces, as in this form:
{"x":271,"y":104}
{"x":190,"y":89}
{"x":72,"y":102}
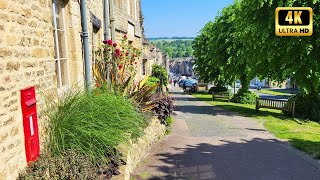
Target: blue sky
{"x":167,"y":18}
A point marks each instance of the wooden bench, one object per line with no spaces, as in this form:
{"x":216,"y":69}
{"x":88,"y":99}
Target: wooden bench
{"x":221,"y":95}
{"x":284,"y":105}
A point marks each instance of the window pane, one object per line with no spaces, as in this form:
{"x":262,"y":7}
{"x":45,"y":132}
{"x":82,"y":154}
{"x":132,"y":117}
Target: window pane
{"x":64,"y":72}
{"x":57,"y":70}
{"x":59,"y":16}
{"x":62,"y":44}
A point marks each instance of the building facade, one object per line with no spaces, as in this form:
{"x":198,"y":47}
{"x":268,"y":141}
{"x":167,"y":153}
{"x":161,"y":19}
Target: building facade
{"x":41,"y":46}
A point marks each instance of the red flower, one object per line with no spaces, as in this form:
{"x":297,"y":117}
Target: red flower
{"x":117,"y":50}
{"x":125,"y":36}
{"x":120,"y":66}
{"x":117,"y":54}
{"x":98,"y":85}
{"x":133,"y":55}
{"x":114,"y":44}
{"x":136,"y":62}
{"x":131,"y":61}
{"x":109,"y":42}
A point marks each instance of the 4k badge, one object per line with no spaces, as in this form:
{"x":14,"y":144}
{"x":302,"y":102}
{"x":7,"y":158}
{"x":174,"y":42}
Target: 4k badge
{"x":294,"y":21}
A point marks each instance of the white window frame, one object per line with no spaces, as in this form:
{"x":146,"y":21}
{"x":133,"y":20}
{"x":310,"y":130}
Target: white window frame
{"x":59,"y":59}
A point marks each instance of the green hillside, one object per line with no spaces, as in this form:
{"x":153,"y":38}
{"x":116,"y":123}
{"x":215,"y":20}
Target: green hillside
{"x":175,"y":47}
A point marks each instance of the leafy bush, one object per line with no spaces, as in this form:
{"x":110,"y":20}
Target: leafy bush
{"x":244,"y":96}
{"x":68,"y":165}
{"x":168,"y":123}
{"x":218,"y":89}
{"x":307,"y":106}
{"x":160,"y":73}
{"x":164,"y":107}
{"x":152,"y":81}
{"x":94,"y":124}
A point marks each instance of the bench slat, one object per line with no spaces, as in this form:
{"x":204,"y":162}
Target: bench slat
{"x":275,"y":104}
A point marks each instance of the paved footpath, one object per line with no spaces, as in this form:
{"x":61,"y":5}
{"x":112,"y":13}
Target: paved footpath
{"x":211,"y":143}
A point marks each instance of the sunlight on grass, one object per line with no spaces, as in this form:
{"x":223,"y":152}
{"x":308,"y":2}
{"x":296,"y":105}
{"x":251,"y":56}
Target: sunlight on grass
{"x":304,"y":135}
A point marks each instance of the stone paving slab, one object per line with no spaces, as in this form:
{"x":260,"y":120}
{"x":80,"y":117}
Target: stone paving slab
{"x":211,"y":143}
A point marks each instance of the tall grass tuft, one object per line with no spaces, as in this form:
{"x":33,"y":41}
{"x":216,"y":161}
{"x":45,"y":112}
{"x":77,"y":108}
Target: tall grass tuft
{"x":94,"y":124}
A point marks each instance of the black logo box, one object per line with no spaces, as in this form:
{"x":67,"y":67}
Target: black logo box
{"x":305,"y":18}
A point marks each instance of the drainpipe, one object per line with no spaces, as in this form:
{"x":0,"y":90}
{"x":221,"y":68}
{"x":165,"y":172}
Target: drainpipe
{"x":106,"y":28}
{"x":106,"y":20}
{"x":85,"y":43}
{"x":112,"y":19}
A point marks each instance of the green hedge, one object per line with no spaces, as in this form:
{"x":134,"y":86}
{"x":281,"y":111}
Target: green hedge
{"x":244,"y":96}
{"x":307,"y":106}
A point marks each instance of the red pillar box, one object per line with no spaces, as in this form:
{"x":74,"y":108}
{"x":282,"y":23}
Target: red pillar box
{"x":30,"y":123}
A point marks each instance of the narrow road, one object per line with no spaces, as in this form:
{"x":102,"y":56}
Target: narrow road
{"x":211,"y":143}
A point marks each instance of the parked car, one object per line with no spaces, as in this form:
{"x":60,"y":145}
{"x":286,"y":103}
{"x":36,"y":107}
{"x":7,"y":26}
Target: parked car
{"x":180,"y":82}
{"x":189,"y":82}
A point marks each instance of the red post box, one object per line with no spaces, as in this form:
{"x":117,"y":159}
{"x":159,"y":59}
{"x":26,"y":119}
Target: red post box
{"x":30,"y":123}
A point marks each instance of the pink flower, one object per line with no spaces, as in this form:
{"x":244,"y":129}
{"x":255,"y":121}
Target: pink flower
{"x":117,"y":54}
{"x":125,"y":36}
{"x":117,"y":50}
{"x":114,"y":44}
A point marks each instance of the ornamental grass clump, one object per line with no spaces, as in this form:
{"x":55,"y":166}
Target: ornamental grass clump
{"x":94,"y":124}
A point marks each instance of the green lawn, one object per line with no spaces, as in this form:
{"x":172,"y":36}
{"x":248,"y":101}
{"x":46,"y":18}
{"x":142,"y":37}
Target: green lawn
{"x":304,"y":135}
{"x":277,"y":92}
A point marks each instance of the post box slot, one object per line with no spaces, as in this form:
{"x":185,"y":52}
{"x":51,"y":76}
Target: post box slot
{"x":31,"y":102}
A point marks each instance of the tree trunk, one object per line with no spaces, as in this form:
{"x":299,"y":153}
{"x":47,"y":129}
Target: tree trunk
{"x":244,"y":82}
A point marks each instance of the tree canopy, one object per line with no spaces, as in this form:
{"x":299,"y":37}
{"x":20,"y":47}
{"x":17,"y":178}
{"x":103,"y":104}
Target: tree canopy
{"x":241,"y":43}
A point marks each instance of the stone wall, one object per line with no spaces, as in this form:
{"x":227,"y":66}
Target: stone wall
{"x":136,"y":151}
{"x":26,"y":59}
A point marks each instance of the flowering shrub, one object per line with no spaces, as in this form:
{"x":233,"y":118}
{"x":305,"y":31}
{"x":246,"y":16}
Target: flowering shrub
{"x":117,"y":61}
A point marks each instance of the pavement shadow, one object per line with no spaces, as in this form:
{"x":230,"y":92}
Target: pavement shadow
{"x":227,"y":110}
{"x":246,"y":160}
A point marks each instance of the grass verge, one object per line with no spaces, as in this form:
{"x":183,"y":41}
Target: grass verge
{"x":304,"y":135}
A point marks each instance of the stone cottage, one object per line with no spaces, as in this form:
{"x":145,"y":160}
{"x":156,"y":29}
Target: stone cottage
{"x":41,"y":46}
